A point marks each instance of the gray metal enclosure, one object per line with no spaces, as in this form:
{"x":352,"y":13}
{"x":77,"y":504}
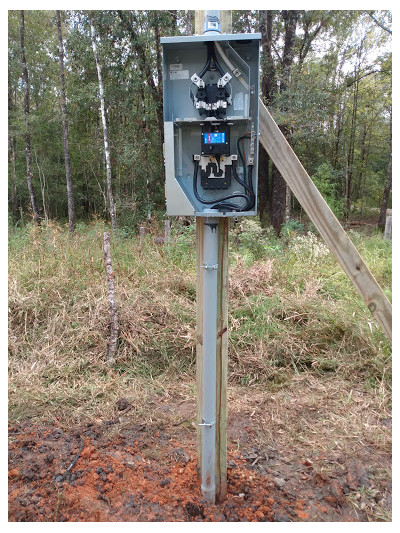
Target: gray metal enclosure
{"x":183,"y":57}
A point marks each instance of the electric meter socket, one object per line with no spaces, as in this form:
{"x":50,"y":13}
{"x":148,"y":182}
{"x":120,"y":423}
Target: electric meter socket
{"x":211,"y":92}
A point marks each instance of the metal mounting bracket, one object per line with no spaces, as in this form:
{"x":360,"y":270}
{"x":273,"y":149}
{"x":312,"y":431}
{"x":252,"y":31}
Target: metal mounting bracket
{"x":208,"y":424}
{"x":209,"y":267}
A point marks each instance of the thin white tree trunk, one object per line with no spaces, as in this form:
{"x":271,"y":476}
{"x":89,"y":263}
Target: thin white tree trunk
{"x":288,"y":201}
{"x":70,"y":193}
{"x":25,"y":77}
{"x":113,"y":341}
{"x":105,"y":133}
{"x":43,"y":189}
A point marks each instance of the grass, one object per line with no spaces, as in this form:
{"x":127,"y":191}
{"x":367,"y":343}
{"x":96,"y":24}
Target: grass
{"x":292,"y":312}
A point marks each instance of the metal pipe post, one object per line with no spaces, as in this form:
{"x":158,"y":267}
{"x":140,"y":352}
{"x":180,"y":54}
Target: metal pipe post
{"x":210,"y":281}
{"x":211,"y":347}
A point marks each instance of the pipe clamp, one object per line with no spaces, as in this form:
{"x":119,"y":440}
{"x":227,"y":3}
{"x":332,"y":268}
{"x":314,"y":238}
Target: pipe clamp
{"x":210,"y":267}
{"x":208,"y":424}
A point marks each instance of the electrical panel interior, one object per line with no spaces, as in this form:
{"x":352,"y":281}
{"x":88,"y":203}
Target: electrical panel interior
{"x":211,"y":91}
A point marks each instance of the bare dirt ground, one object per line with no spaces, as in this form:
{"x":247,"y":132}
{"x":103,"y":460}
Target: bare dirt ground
{"x":289,"y":459}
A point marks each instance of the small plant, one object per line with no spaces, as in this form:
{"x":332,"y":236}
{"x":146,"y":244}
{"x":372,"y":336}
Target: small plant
{"x":292,"y":228}
{"x":309,"y":246}
{"x":251,"y":240}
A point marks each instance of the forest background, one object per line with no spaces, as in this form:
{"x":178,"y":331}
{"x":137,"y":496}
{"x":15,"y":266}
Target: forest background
{"x":326,"y":78}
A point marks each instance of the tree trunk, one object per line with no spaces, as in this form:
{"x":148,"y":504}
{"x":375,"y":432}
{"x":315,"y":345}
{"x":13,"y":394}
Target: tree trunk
{"x":70,"y":192}
{"x":105,"y":132}
{"x":188,"y":22}
{"x":42,"y":189}
{"x":288,"y":199}
{"x":290,"y":19}
{"x":388,"y":185}
{"x":278,"y":189}
{"x":11,"y":150}
{"x":113,"y":341}
{"x":11,"y":153}
{"x":25,"y":77}
{"x":268,"y":89}
{"x":160,"y":114}
{"x":263,"y":186}
{"x":350,"y":154}
{"x":358,"y":189}
{"x":339,"y":131}
{"x":277,"y":199}
{"x":352,"y":140}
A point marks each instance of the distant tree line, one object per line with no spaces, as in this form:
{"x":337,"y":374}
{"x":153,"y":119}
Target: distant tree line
{"x":76,"y":75}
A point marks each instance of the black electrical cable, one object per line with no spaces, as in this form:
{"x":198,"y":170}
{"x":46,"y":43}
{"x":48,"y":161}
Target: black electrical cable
{"x":208,"y":62}
{"x":241,"y":154}
{"x":211,"y":56}
{"x":253,"y":196}
{"x":251,"y":199}
{"x":249,"y":173}
{"x":214,"y":57}
{"x":222,"y":202}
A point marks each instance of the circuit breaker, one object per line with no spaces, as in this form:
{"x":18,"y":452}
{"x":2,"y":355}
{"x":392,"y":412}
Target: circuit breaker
{"x":211,"y":91}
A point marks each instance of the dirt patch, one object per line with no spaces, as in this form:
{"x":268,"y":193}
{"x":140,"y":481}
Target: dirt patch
{"x":139,"y":474}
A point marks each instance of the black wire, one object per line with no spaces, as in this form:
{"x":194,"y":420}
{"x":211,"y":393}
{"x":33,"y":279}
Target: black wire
{"x":250,"y":202}
{"x":250,"y":172}
{"x":248,"y":185}
{"x":241,"y":154}
{"x":222,"y":201}
{"x":214,"y":57}
{"x":251,"y":186}
{"x":207,"y":65}
{"x":211,"y":55}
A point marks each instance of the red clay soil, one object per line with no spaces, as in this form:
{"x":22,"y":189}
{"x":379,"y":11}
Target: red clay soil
{"x":138,"y":476}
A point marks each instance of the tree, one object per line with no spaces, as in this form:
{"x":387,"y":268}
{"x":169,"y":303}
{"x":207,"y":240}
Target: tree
{"x":105,"y":131}
{"x":25,"y":77}
{"x":277,"y":194}
{"x":388,"y":185}
{"x":70,"y":192}
{"x":11,"y":151}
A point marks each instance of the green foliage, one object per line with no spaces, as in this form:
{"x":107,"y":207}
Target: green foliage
{"x":340,"y":58}
{"x":182,"y":247}
{"x":292,"y":228}
{"x":326,"y":180}
{"x":251,"y":239}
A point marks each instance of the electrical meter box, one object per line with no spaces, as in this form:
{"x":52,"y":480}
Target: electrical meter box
{"x":211,"y":91}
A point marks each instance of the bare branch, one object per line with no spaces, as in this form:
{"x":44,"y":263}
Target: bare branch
{"x":378,"y":23}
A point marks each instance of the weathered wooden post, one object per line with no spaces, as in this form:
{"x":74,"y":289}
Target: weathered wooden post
{"x":142,"y":233}
{"x":388,"y":228}
{"x":167,"y":230}
{"x":324,"y":220}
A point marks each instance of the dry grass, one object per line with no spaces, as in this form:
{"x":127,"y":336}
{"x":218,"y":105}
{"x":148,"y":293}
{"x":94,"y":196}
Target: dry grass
{"x":282,"y":327}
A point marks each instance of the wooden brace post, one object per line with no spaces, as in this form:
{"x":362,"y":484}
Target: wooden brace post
{"x":324,"y":220}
